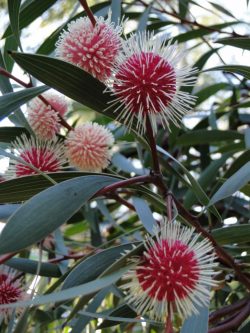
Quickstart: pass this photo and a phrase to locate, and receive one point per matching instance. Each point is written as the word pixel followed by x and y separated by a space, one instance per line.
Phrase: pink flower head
pixel 87 147
pixel 146 83
pixel 92 48
pixel 173 274
pixel 43 118
pixel 11 291
pixel 44 156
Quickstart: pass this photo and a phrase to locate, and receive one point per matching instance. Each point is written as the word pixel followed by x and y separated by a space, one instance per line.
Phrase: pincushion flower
pixel 11 291
pixel 87 147
pixel 44 156
pixel 173 274
pixel 92 48
pixel 146 83
pixel 43 118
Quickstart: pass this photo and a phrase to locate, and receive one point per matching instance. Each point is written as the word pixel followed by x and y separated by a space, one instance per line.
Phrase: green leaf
pixel 197 323
pixel 222 9
pixel 13 8
pixel 90 268
pixel 116 9
pixel 247 138
pixel 200 194
pixel 241 42
pixel 8 134
pixel 30 266
pixel 242 70
pixel 23 188
pixel 12 101
pixel 144 213
pixel 232 184
pixel 142 24
pixel 5 85
pixel 198 33
pixel 123 311
pixel 233 234
pixel 63 295
pixel 183 8
pixel 206 178
pixel 36 218
pixel 29 13
pixel 209 91
pixel 80 86
pixel 10 44
pixel 211 136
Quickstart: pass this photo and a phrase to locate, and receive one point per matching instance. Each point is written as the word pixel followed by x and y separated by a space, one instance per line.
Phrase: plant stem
pixel 6 257
pixel 88 11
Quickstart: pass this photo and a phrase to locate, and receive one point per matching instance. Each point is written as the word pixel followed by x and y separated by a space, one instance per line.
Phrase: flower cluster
pixel 173 274
pixel 11 291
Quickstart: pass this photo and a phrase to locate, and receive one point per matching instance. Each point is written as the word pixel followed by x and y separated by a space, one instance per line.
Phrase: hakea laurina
pixel 174 274
pixel 87 147
pixel 93 48
pixel 11 291
pixel 43 119
pixel 44 156
pixel 146 83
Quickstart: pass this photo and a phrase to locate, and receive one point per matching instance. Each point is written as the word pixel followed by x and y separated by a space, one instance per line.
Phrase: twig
pixel 88 11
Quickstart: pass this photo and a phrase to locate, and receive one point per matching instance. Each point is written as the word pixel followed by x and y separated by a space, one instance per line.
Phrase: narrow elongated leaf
pixel 200 194
pixel 122 310
pixel 8 134
pixel 232 184
pixel 183 8
pixel 30 266
pixel 198 138
pixel 142 25
pixel 5 86
pixel 12 101
pixel 23 188
pixel 36 218
pixel 232 234
pixel 144 213
pixel 202 32
pixel 222 9
pixel 93 266
pixel 63 295
pixel 206 178
pixel 242 70
pixel 14 7
pixel 209 91
pixel 241 42
pixel 29 13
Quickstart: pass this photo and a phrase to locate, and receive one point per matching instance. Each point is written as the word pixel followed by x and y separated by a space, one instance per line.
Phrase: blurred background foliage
pixel 205 162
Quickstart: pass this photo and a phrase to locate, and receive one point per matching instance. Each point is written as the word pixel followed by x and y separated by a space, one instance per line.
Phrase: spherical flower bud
pixel 44 156
pixel 11 291
pixel 173 274
pixel 146 83
pixel 87 147
pixel 43 118
pixel 92 48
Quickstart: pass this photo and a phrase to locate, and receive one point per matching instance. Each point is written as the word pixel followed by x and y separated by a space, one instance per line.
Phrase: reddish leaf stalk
pixel 6 257
pixel 88 11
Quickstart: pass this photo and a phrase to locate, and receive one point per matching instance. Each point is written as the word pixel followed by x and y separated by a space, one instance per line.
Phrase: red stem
pixel 6 257
pixel 88 12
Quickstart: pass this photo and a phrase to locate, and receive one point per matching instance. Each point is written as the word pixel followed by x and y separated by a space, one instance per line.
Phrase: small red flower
pixel 11 291
pixel 87 147
pixel 174 273
pixel 43 118
pixel 93 48
pixel 44 156
pixel 146 83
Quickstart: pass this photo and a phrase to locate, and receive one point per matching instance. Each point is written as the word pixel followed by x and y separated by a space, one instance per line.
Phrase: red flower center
pixel 168 271
pixel 146 82
pixel 41 158
pixel 9 293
